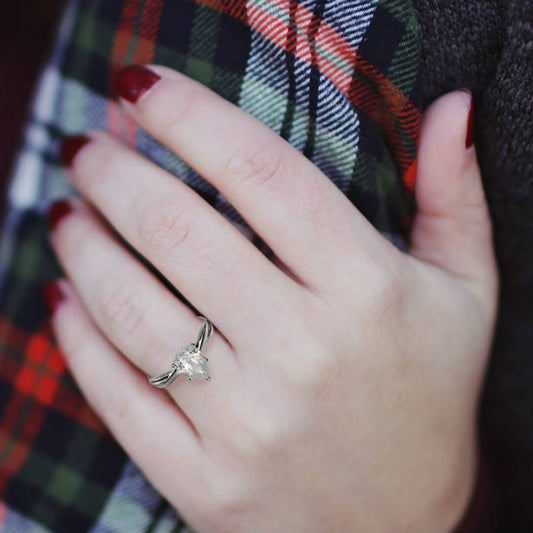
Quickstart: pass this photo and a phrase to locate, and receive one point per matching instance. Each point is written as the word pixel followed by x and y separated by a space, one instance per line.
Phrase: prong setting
pixel 189 361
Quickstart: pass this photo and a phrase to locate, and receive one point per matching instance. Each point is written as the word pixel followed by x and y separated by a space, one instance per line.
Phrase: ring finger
pixel 137 313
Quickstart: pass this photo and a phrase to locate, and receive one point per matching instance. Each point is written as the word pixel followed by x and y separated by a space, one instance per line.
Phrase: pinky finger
pixel 144 420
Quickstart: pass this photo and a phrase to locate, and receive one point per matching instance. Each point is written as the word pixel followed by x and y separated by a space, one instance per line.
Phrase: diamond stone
pixel 192 363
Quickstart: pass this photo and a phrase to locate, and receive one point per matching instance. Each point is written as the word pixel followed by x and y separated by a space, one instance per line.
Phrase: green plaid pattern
pixel 347 97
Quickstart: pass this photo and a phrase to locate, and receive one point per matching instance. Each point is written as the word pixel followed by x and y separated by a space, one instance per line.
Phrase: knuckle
pixel 258 437
pixel 316 375
pixel 163 226
pixel 114 407
pixel 74 338
pixel 384 292
pixel 105 160
pixel 172 113
pixel 257 164
pixel 121 309
pixel 315 360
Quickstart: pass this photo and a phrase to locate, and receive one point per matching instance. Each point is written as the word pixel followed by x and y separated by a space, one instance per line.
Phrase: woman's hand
pixel 345 377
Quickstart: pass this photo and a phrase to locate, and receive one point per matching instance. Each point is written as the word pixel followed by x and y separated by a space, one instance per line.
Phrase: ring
pixel 189 361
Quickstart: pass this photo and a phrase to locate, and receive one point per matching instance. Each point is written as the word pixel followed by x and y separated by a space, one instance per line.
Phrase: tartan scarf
pixel 338 79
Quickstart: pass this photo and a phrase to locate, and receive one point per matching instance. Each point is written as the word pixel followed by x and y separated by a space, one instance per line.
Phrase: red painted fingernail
pixel 470 124
pixel 53 295
pixel 70 147
pixel 133 81
pixel 57 211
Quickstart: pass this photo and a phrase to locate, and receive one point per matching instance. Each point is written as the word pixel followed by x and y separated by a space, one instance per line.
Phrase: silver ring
pixel 189 361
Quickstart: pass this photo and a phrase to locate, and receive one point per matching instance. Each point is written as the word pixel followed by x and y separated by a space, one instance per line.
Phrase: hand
pixel 345 377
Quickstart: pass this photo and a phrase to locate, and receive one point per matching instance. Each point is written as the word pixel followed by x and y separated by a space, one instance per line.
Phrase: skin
pixel 345 377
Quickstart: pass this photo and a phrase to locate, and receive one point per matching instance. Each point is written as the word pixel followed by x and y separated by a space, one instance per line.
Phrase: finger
pixel 140 317
pixel 148 425
pixel 202 254
pixel 311 226
pixel 452 228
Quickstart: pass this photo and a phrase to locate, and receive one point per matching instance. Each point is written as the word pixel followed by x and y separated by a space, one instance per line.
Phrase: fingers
pixel 137 314
pixel 452 228
pixel 147 424
pixel 202 254
pixel 300 213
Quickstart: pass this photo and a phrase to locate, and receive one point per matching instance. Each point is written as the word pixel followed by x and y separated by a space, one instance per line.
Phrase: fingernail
pixel 53 295
pixel 58 210
pixel 133 81
pixel 70 147
pixel 470 123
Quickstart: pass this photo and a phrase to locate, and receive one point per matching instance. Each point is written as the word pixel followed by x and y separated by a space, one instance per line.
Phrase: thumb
pixel 452 228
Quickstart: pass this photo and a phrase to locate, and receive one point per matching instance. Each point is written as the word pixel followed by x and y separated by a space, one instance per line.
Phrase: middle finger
pixel 203 255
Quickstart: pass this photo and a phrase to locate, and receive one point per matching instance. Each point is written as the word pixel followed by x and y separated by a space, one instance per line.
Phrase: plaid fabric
pixel 336 78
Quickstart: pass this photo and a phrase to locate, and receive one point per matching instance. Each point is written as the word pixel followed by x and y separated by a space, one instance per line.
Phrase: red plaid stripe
pixel 38 383
pixel 386 105
pixel 143 53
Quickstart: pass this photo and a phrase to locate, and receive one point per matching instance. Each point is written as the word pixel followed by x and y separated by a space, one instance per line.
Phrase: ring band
pixel 189 361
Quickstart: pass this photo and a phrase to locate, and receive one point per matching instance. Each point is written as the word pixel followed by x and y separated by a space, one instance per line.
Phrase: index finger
pixel 306 220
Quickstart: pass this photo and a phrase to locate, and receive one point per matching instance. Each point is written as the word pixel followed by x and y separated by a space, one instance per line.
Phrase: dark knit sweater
pixel 487 46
